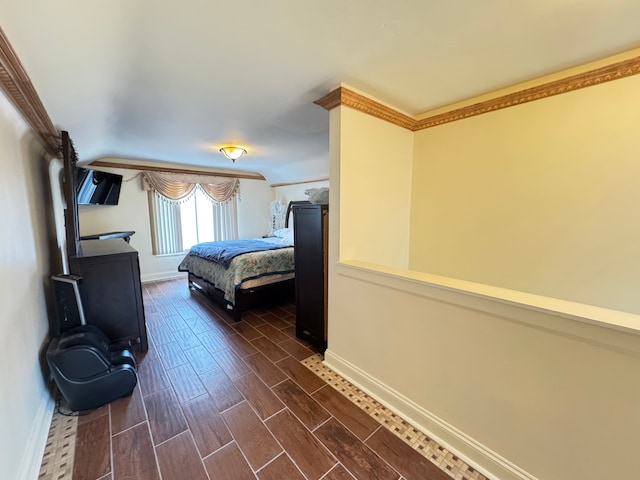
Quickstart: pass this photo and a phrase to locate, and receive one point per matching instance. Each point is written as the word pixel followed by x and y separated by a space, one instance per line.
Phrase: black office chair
pixel 88 371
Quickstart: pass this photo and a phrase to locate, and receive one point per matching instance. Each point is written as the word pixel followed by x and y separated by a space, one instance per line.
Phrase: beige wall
pixel 132 213
pixel 254 218
pixel 288 193
pixel 538 198
pixel 25 403
pixel 522 386
pixel 375 193
pixel 498 383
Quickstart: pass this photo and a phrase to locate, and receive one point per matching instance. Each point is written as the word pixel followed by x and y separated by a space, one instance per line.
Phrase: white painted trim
pixel 32 457
pixel 624 321
pixel 156 277
pixel 611 329
pixel 475 454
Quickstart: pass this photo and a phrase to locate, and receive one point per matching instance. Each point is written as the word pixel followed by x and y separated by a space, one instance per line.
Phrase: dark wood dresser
pixel 311 233
pixel 110 274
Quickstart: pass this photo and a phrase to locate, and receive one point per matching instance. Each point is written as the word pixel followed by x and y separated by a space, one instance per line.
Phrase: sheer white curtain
pixel 177 224
pixel 225 224
pixel 167 234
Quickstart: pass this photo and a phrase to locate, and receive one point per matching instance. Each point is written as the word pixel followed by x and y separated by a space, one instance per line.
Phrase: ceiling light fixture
pixel 233 153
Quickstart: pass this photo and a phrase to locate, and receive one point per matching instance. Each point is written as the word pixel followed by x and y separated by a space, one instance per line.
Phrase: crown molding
pixel 20 91
pixel 597 76
pixel 349 98
pixel 151 168
pixel 302 182
pixel 614 71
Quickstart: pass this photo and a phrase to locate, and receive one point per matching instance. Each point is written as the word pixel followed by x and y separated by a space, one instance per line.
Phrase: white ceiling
pixel 172 81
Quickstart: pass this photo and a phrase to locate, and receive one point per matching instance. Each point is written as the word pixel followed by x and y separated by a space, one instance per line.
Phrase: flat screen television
pixel 97 188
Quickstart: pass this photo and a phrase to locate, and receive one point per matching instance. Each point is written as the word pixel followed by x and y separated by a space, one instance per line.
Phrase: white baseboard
pixel 32 457
pixel 156 277
pixel 463 446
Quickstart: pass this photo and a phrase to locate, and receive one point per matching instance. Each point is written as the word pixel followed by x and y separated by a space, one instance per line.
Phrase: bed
pixel 241 274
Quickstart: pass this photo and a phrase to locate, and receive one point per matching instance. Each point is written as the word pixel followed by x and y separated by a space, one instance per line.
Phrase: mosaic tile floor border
pixel 57 460
pixel 437 454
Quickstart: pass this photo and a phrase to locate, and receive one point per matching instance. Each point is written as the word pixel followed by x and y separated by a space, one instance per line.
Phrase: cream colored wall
pixel 555 398
pixel 26 405
pixel 538 198
pixel 515 389
pixel 254 218
pixel 375 191
pixel 288 193
pixel 132 213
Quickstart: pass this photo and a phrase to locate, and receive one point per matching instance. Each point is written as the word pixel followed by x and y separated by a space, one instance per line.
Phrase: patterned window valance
pixel 177 186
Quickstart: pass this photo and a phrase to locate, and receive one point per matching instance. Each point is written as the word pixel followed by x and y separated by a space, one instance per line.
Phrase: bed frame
pixel 248 298
pixel 245 299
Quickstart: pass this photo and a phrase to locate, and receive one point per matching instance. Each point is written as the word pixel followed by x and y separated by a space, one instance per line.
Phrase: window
pixel 177 225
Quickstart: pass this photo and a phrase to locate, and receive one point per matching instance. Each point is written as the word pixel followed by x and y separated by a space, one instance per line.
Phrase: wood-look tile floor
pixel 219 399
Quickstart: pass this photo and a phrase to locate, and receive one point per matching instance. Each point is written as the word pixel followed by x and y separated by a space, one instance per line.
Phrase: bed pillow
pixel 285 235
pixel 281 233
pixel 288 237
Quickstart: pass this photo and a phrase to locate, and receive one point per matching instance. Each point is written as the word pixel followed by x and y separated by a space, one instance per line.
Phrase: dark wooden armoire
pixel 311 233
